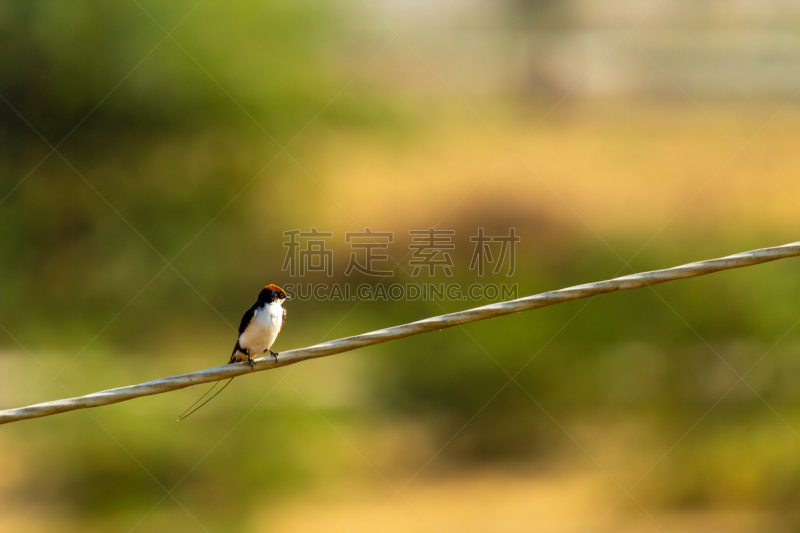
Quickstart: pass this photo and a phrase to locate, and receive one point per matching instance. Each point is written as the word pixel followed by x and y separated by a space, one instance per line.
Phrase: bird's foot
pixel 274 354
pixel 250 362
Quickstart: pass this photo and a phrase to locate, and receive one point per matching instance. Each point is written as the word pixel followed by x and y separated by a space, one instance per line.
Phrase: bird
pixel 258 330
pixel 261 325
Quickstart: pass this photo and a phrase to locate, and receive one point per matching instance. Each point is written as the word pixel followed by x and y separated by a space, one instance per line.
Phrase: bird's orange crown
pixel 275 288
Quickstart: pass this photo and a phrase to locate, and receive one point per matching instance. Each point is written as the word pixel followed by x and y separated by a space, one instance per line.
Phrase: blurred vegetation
pixel 134 256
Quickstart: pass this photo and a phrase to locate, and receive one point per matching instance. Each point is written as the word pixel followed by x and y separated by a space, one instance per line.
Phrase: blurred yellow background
pixel 614 136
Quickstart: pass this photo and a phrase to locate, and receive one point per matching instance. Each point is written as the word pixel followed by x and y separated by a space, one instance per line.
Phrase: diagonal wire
pixel 741 149
pixel 477 413
pixel 283 149
pixel 231 430
pixel 150 474
pixel 741 377
pixel 54 149
pixel 169 263
pixel 270 136
pixel 513 149
pixel 513 378
pixel 351 217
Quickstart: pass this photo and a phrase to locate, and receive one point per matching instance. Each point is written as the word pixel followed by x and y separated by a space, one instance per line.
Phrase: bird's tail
pixel 186 414
pixel 236 349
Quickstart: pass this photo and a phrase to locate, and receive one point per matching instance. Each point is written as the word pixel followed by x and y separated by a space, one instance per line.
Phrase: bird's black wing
pixel 248 316
pixel 283 322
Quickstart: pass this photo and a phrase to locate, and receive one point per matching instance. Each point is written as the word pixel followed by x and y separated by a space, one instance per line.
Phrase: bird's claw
pixel 274 354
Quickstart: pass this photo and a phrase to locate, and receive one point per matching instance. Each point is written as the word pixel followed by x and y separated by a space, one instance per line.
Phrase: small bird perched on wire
pixel 260 325
pixel 258 330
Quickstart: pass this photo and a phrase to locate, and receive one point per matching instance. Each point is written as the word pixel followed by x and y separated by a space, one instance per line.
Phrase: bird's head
pixel 272 293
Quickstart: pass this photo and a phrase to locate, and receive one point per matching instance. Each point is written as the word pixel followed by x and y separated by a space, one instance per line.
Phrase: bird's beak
pixel 287 297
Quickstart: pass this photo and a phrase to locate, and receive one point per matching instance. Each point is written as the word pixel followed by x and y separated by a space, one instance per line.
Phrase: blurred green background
pixel 191 135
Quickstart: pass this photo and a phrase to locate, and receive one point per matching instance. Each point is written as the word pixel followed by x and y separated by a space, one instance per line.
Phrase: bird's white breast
pixel 260 334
